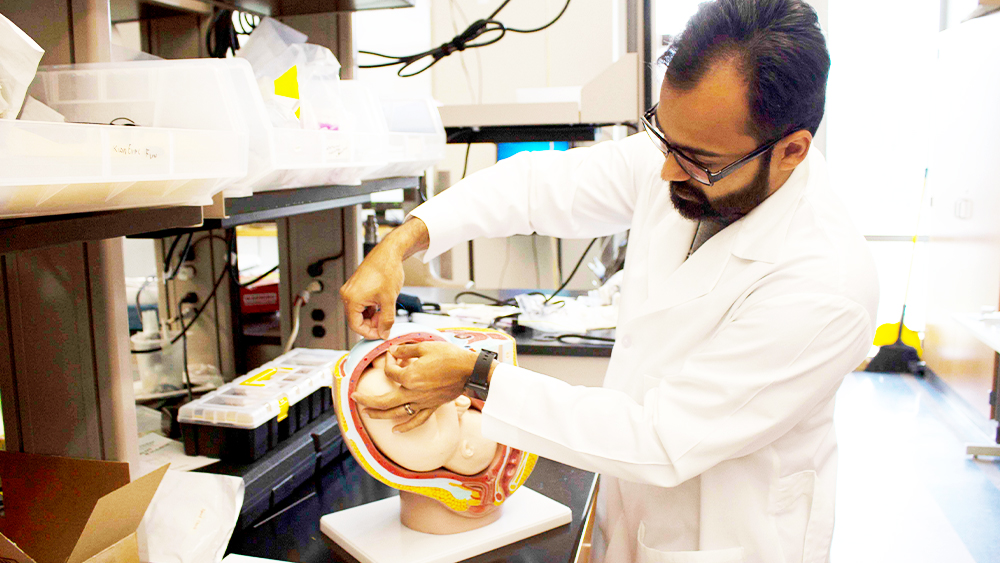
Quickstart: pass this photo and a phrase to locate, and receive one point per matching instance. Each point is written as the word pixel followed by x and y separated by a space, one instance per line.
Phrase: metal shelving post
pixel 65 371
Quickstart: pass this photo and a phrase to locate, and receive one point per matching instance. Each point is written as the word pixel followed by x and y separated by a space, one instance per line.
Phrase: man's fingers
pixel 380 402
pixel 406 351
pixel 394 372
pixel 386 317
pixel 398 412
pixel 418 419
pixel 358 321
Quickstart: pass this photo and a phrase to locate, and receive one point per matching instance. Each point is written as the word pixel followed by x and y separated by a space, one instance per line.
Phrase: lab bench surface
pixel 294 535
pixel 529 342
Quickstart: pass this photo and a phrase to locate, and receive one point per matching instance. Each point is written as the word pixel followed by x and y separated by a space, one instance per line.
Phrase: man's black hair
pixel 780 50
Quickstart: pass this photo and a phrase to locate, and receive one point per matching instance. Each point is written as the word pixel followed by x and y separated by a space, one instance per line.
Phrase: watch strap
pixel 479 380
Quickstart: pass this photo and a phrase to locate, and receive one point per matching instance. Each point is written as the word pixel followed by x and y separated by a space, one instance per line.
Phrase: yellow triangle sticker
pixel 298 112
pixel 287 84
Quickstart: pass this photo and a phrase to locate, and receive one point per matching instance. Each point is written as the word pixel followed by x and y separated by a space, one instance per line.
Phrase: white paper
pixel 34 110
pixel 19 57
pixel 156 451
pixel 192 517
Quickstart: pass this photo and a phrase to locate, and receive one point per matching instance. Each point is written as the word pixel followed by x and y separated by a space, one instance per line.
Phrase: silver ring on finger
pixel 409 410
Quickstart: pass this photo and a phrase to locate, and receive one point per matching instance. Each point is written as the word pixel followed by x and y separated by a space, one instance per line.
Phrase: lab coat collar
pixel 762 232
pixel 758 236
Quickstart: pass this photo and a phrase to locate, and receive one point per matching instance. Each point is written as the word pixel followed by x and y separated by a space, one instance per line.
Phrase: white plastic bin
pixel 319 157
pixel 54 168
pixel 416 137
pixel 192 94
pixel 223 94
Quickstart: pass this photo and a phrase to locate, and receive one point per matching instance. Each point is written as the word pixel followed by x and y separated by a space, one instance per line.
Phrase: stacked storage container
pixel 242 420
pixel 98 162
pixel 221 124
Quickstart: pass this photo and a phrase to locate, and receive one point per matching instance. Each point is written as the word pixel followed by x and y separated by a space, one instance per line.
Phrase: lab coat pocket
pixel 801 520
pixel 646 554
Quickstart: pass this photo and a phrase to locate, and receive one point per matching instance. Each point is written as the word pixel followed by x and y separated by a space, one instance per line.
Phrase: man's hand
pixel 370 294
pixel 430 373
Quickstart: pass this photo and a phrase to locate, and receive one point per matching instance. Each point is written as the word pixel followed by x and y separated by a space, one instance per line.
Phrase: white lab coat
pixel 713 432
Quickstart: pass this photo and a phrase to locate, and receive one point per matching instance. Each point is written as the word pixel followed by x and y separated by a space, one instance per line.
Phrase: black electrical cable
pixel 170 254
pixel 227 270
pixel 573 273
pixel 187 374
pixel 316 268
pixel 180 261
pixel 546 26
pixel 562 337
pixel 138 294
pixel 465 40
pixel 493 323
pixel 465 166
pixel 260 277
pixel 221 37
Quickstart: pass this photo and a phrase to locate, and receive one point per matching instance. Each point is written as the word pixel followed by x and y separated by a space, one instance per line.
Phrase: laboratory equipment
pixel 160 362
pixel 242 420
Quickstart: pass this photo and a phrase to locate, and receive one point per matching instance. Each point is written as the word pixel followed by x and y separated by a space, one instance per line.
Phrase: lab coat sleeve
pixel 580 193
pixel 749 385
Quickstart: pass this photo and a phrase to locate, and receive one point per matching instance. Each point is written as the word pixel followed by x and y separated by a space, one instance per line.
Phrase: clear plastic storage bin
pixel 244 419
pixel 321 157
pixel 190 94
pixel 55 168
pixel 416 137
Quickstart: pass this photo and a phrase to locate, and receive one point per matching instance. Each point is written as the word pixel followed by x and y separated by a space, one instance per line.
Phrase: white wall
pixel 570 53
pixel 878 141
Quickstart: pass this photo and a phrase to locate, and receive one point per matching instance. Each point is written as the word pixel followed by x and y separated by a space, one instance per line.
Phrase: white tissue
pixel 192 517
pixel 34 110
pixel 19 57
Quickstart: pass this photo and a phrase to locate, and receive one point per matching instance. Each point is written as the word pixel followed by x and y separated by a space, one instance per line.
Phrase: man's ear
pixel 792 150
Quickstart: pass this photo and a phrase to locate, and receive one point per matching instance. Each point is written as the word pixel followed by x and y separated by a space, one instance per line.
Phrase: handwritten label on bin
pixel 138 152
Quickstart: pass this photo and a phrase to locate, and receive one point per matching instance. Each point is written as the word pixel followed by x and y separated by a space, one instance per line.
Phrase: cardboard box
pixel 62 510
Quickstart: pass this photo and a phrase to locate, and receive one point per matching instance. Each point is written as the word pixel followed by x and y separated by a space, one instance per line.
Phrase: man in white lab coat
pixel 747 297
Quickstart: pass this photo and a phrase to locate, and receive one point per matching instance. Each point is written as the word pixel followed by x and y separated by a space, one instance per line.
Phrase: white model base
pixel 985 450
pixel 372 532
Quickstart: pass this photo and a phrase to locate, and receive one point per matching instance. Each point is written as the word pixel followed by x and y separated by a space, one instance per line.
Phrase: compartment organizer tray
pixel 243 420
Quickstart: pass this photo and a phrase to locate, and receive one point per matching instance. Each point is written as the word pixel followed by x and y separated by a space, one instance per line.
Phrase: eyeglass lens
pixel 690 168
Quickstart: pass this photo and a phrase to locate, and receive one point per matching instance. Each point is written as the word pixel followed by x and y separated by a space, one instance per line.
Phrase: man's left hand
pixel 430 374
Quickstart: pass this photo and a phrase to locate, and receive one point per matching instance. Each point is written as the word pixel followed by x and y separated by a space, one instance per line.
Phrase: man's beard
pixel 726 209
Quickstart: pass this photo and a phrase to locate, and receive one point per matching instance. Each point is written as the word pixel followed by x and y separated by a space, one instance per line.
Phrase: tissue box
pixel 62 510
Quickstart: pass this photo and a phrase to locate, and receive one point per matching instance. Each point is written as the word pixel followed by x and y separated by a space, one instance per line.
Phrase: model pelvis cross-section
pixel 450 477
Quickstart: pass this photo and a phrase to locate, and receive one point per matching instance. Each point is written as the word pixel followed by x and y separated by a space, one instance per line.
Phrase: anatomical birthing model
pixel 451 479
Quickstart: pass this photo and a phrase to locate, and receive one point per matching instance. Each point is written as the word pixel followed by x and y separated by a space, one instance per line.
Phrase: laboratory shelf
pixel 38 232
pixel 522 133
pixel 134 10
pixel 268 206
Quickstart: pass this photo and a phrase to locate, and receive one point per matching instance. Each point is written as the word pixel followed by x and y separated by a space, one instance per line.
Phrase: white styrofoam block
pixel 372 533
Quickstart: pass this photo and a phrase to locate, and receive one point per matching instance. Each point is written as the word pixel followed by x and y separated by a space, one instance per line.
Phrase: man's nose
pixel 672 171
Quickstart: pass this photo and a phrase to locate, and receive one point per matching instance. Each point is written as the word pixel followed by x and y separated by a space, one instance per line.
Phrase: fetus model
pixel 451 479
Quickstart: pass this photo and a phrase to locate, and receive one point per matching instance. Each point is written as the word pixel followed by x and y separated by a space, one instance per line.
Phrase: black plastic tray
pixel 271 479
pixel 241 445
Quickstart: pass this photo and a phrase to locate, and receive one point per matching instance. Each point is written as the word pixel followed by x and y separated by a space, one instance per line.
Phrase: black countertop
pixel 529 342
pixel 291 532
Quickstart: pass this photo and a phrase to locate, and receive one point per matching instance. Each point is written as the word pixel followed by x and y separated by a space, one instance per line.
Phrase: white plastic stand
pixel 372 532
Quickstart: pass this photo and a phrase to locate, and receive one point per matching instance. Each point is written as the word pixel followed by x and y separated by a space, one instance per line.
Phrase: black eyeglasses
pixel 692 167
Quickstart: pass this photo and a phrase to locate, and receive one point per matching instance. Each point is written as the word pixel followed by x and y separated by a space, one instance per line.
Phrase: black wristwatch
pixel 479 380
